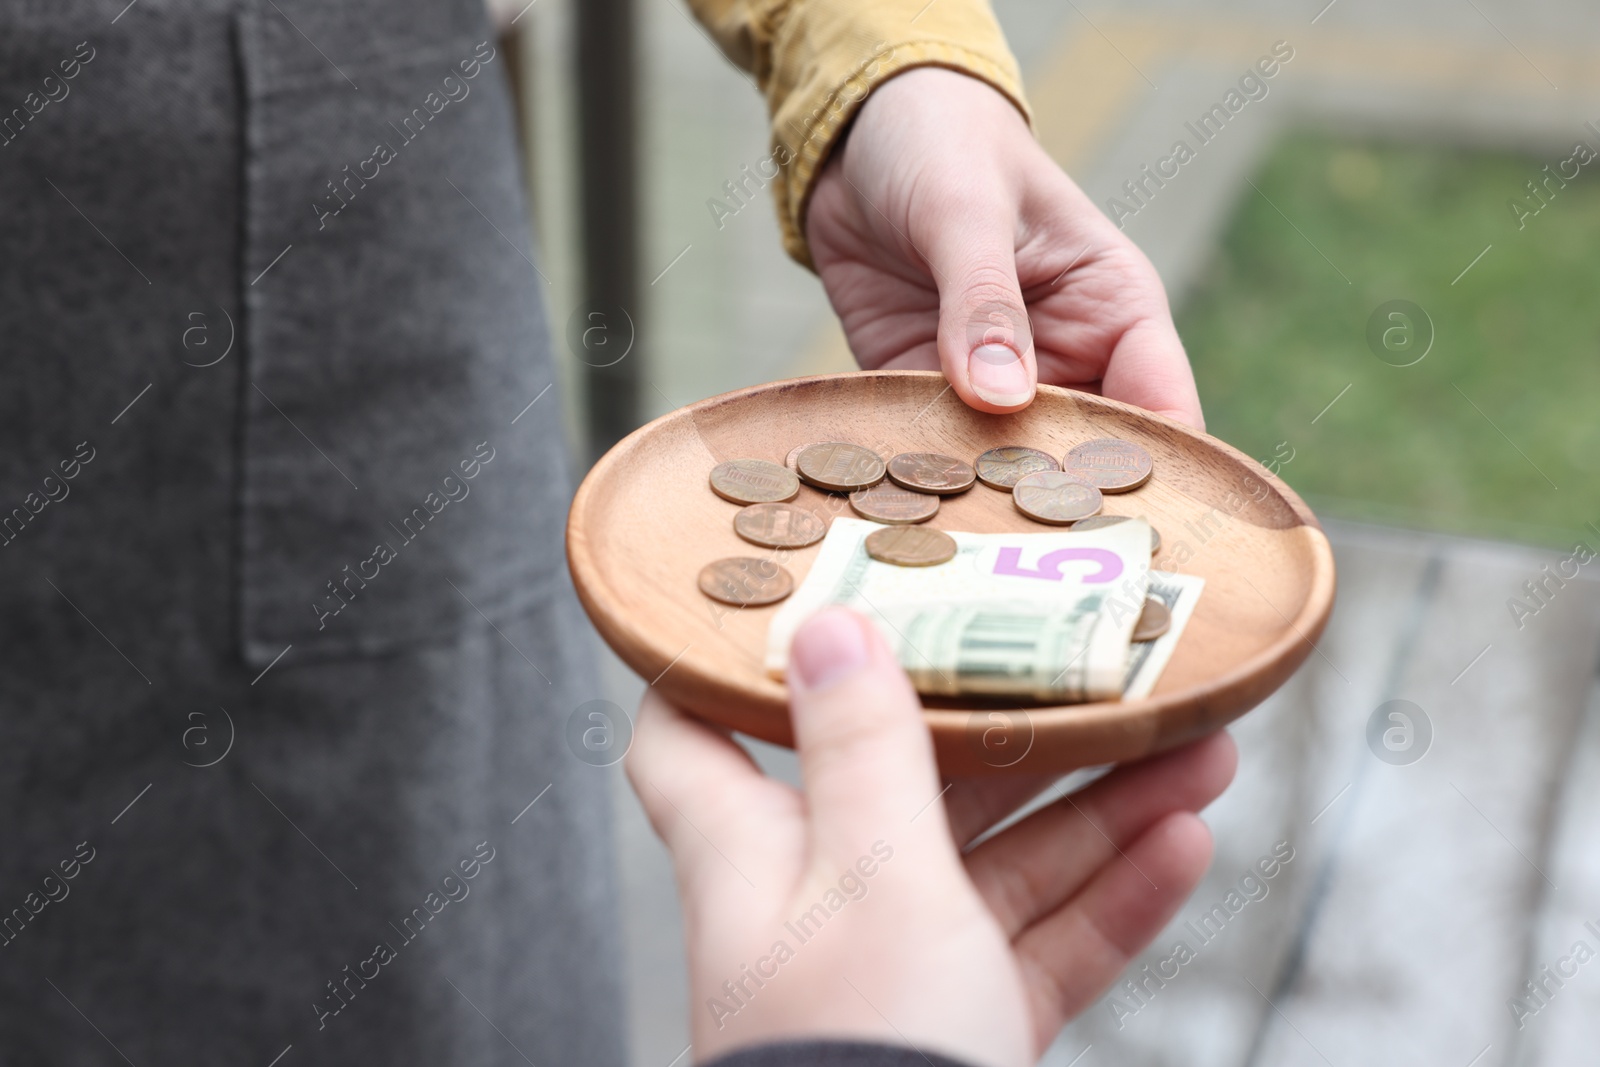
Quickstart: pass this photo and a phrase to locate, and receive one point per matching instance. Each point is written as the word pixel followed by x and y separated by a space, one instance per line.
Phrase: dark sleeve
pixel 833 1054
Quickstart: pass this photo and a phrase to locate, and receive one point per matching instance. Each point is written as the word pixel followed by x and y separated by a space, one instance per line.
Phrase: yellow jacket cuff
pixel 818 60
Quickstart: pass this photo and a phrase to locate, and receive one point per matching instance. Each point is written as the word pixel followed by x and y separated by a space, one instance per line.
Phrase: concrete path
pixel 1422 891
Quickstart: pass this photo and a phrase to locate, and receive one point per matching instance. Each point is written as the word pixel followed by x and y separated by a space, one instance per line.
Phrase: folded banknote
pixel 1045 616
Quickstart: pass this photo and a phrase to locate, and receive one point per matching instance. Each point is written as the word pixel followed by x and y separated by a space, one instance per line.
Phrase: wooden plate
pixel 644 522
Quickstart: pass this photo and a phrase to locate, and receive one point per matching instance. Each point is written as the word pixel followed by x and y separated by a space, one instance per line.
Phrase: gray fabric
pixel 397 334
pixel 143 598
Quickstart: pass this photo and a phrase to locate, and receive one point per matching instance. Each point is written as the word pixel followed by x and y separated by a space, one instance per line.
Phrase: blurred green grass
pixel 1276 331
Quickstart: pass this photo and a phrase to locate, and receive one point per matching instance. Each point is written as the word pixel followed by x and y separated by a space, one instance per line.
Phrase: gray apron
pixel 286 645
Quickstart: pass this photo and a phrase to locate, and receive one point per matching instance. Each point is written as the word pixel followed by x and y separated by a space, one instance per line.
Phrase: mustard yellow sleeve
pixel 816 61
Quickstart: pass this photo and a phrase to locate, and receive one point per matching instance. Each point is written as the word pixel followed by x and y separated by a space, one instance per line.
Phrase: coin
pixel 839 467
pixel 779 526
pixel 1154 620
pixel 1100 522
pixel 753 481
pixel 793 458
pixel 1002 468
pixel 1109 464
pixel 911 546
pixel 894 505
pixel 745 582
pixel 931 472
pixel 1055 498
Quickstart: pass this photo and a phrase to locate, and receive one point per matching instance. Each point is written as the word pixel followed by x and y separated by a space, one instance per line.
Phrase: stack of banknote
pixel 1048 616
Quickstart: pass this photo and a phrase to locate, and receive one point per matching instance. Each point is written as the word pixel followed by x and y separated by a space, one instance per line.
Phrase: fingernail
pixel 999 376
pixel 827 647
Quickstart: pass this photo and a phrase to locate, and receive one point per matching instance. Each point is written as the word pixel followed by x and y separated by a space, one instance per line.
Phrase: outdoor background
pixel 1453 456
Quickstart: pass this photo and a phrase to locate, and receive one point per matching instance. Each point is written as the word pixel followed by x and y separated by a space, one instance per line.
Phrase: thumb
pixel 985 341
pixel 865 754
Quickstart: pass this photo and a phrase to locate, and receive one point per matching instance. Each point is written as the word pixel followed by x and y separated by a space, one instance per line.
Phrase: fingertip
pixel 1187 778
pixel 653 730
pixel 653 721
pixel 978 377
pixel 1000 376
pixel 828 647
pixel 844 678
pixel 1218 757
pixel 1184 842
pixel 858 726
pixel 673 755
pixel 1173 399
pixel 985 337
pixel 1191 417
pixel 1150 369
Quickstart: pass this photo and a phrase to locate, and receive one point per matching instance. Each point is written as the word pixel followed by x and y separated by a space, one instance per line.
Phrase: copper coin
pixel 839 467
pixel 1003 468
pixel 1154 620
pixel 745 582
pixel 1100 522
pixel 792 460
pixel 1109 464
pixel 911 546
pixel 779 526
pixel 931 472
pixel 753 481
pixel 1055 498
pixel 894 505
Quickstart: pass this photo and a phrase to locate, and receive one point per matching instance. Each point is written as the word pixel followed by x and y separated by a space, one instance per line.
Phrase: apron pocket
pixel 394 484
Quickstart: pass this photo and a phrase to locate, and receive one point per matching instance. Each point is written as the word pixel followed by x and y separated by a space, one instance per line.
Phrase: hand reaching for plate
pixel 947 239
pixel 856 909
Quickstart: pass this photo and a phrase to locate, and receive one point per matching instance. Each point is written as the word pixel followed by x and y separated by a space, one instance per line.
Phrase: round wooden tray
pixel 645 521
